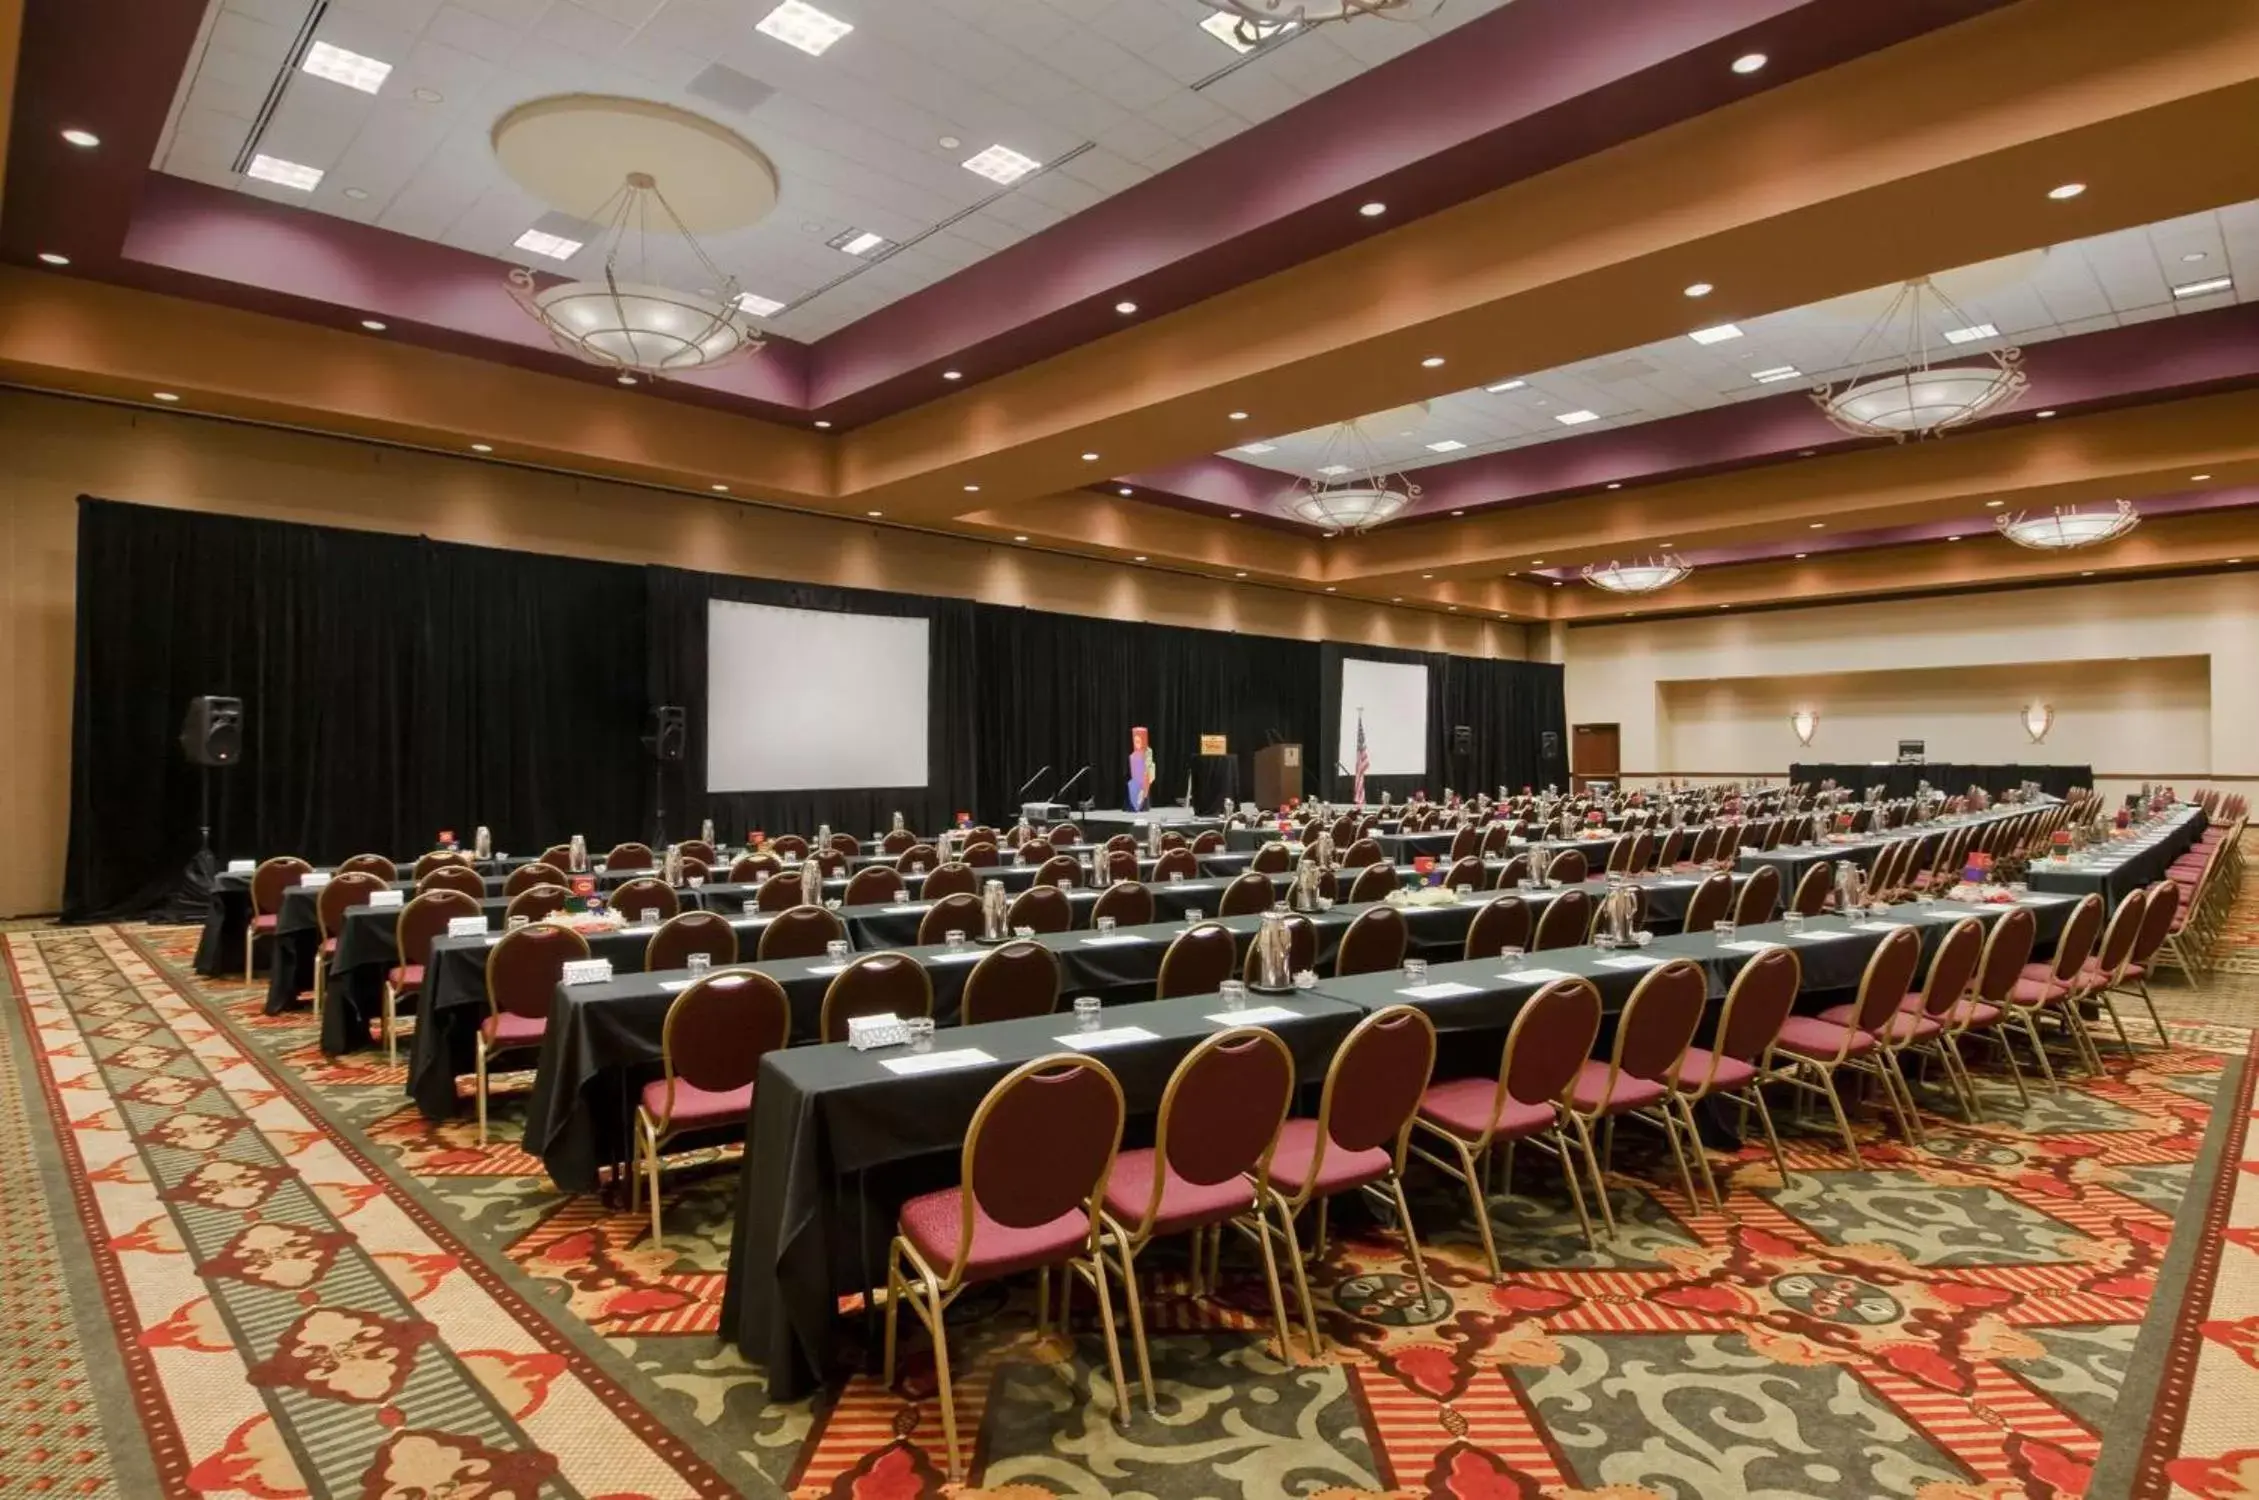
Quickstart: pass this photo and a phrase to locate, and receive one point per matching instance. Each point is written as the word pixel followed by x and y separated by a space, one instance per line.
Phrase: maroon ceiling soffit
pixel 2174 357
pixel 1524 89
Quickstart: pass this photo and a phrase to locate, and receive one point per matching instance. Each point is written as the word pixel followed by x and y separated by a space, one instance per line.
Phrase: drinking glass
pixel 1087 1011
pixel 1175 876
pixel 1416 970
pixel 1191 915
pixel 751 909
pixel 1106 924
pixel 836 949
pixel 1794 922
pixel 1023 933
pixel 1511 957
pixel 699 963
pixel 1724 930
pixel 518 921
pixel 648 917
pixel 1234 992
pixel 1465 893
pixel 920 1029
pixel 1604 941
pixel 955 938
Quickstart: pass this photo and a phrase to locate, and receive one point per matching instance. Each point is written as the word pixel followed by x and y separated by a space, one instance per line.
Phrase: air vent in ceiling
pixel 724 85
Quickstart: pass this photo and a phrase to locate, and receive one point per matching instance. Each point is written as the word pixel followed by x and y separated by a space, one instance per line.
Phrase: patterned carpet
pixel 314 1292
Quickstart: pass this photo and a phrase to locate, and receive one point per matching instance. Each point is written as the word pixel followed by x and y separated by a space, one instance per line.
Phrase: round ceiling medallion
pixel 574 150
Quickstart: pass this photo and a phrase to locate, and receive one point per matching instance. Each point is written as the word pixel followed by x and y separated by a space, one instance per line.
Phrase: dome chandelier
pixel 2067 527
pixel 1349 489
pixel 1640 576
pixel 1915 398
pixel 1256 21
pixel 628 322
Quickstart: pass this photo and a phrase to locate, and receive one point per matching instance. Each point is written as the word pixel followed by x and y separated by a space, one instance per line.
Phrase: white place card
pixel 969 956
pixel 314 880
pixel 1749 945
pixel 587 971
pixel 911 910
pixel 1631 961
pixel 1256 1015
pixel 2040 899
pixel 825 968
pixel 1537 976
pixel 675 986
pixel 1113 940
pixel 466 927
pixel 1441 989
pixel 242 866
pixel 1113 1036
pixel 1947 916
pixel 1824 935
pixel 936 1062
pixel 388 899
pixel 1878 926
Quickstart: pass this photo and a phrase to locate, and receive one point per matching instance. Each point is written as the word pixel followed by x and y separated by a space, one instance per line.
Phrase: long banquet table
pixel 2114 871
pixel 837 1139
pixel 1899 779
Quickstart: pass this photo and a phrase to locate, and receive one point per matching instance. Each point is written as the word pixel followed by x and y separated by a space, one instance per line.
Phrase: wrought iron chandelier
pixel 2067 527
pixel 1916 398
pixel 1254 21
pixel 1642 576
pixel 628 322
pixel 1349 490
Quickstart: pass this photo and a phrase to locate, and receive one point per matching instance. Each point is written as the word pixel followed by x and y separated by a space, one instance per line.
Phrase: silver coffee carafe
pixel 577 859
pixel 1274 954
pixel 1308 882
pixel 1153 840
pixel 1619 909
pixel 706 832
pixel 1850 888
pixel 992 912
pixel 898 822
pixel 670 869
pixel 482 844
pixel 1325 849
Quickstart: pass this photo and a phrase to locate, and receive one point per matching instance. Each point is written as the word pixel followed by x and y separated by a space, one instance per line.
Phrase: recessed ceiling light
pixel 1700 289
pixel 1373 210
pixel 1237 416
pixel 1001 163
pixel 1125 490
pixel 53 259
pixel 2193 257
pixel 540 242
pixel 1458 513
pixel 349 68
pixel 1819 525
pixel 820 422
pixel 489 448
pixel 1259 448
pixel 625 378
pixel 2204 288
pixel 859 242
pixel 1537 562
pixel 1776 374
pixel 1427 575
pixel 1334 471
pixel 721 489
pixel 1618 484
pixel 1139 558
pixel 373 325
pixel 1576 418
pixel 1329 587
pixel 287 174
pixel 1125 308
pixel 1090 458
pixel 1716 335
pixel 1234 515
pixel 1432 362
pixel 1803 554
pixel 85 140
pixel 2235 559
pixel 1019 538
pixel 2198 478
pixel 166 396
pixel 801 25
pixel 1447 445
pixel 1505 385
pixel 358 195
pixel 1556 583
pixel 952 374
pixel 2044 415
pixel 2089 573
pixel 759 306
pixel 1749 62
pixel 949 143
pixel 1953 539
pixel 2067 190
pixel 1971 334
pixel 1241 574
pixel 972 489
pixel 1396 599
pixel 874 514
pixel 1994 504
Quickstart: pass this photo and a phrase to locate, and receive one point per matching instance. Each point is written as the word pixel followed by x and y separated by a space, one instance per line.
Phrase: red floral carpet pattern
pixel 1951 1322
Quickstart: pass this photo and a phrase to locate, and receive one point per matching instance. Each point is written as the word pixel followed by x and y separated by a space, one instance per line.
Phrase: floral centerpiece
pixel 2061 841
pixel 1984 893
pixel 1426 895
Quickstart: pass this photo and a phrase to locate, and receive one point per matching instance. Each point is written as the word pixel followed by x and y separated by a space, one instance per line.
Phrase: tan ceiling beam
pixel 2127 452
pixel 11 50
pixel 1932 154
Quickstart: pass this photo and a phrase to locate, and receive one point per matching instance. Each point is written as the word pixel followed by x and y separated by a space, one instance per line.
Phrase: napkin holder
pixel 866 1032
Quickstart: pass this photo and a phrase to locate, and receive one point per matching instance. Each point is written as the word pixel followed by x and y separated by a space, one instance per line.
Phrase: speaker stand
pixel 191 898
pixel 659 805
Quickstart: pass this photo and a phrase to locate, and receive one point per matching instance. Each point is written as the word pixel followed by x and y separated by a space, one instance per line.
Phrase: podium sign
pixel 1213 744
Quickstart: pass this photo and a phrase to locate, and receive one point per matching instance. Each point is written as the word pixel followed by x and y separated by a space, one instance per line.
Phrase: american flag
pixel 1364 763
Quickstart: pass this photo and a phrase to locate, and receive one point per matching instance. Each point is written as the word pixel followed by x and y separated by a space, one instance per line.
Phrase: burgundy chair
pixel 710 1051
pixel 1643 860
pixel 1208 842
pixel 382 867
pixel 632 898
pixel 1983 1016
pixel 1568 867
pixel 1042 907
pixel 690 932
pixel 875 984
pixel 1503 923
pixel 2054 988
pixel 1272 859
pixel 525 877
pixel 1496 840
pixel 1466 844
pixel 1249 895
pixel 953 878
pixel 1373 1089
pixel 557 857
pixel 1710 903
pixel 342 894
pixel 2106 970
pixel 699 850
pixel 424 865
pixel 1121 864
pixel 1373 944
pixel 959 911
pixel 1619 861
pixel 874 885
pixel 1516 870
pixel 846 845
pixel 695 871
pixel 1813 890
pixel 789 846
pixel 900 841
pixel 1178 861
pixel 1129 903
pixel 1122 841
pixel 799 932
pixel 537 901
pixel 751 869
pixel 830 861
pixel 1925 1017
pixel 1219 1119
pixel 629 856
pixel 917 859
pixel 981 854
pixel 1011 982
pixel 1064 834
pixel 1062 870
pixel 1760 893
pixel 1037 1157
pixel 421 920
pixel 268 882
pixel 1815 1048
pixel 1360 853
pixel 1033 851
pixel 1545 1051
pixel 1373 883
pixel 1705 848
pixel 2158 918
pixel 777 893
pixel 522 975
pixel 1739 1060
pixel 1301 949
pixel 1197 962
pixel 1641 1073
pixel 1566 920
pixel 1175 841
pixel 1468 873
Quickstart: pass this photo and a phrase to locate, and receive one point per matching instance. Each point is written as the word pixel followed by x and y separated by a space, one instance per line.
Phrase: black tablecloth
pixel 1792 860
pixel 2117 878
pixel 220 949
pixel 1949 777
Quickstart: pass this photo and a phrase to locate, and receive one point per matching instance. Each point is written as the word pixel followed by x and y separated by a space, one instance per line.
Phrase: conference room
pixel 1162 747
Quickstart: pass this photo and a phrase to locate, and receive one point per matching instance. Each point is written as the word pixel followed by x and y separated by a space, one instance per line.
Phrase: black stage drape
pixel 1509 705
pixel 395 686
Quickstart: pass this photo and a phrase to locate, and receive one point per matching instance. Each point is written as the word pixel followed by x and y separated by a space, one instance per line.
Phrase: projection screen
pixel 1393 697
pixel 807 700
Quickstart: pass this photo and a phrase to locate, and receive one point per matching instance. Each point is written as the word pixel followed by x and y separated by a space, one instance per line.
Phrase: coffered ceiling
pixel 1546 180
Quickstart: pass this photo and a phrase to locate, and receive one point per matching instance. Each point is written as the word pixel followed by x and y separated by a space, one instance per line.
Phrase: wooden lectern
pixel 1278 775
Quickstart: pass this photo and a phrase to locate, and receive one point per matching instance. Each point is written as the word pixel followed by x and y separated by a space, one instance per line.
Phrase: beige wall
pixel 52 450
pixel 1713 696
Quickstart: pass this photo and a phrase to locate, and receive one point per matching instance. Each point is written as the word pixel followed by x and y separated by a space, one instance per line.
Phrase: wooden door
pixel 1593 751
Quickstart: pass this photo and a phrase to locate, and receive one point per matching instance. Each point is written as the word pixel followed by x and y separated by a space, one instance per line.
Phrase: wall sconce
pixel 1806 723
pixel 2038 719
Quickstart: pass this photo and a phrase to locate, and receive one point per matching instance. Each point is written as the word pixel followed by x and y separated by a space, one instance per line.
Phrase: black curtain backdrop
pixel 394 687
pixel 1508 704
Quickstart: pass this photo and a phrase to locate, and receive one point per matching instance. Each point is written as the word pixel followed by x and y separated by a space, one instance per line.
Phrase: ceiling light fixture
pixel 2204 288
pixel 1235 515
pixel 803 26
pixel 53 259
pixel 1716 335
pixel 1227 30
pixel 555 246
pixel 1237 416
pixel 1775 375
pixel 334 63
pixel 287 174
pixel 1241 574
pixel 874 514
pixel 758 306
pixel 373 325
pixel 820 422
pixel 2198 478
pixel 863 244
pixel 1700 289
pixel 2044 415
pixel 1749 62
pixel 952 374
pixel 1373 210
pixel 1354 490
pixel 2067 191
pixel 1576 418
pixel 721 489
pixel 1001 164
pixel 1917 399
pixel 1432 362
pixel 2067 527
pixel 1644 576
pixel 1994 504
pixel 1019 538
pixel 165 396
pixel 1125 308
pixel 1505 385
pixel 1250 23
pixel 1090 458
pixel 482 447
pixel 972 489
pixel 1971 334
pixel 1259 448
pixel 85 140
pixel 1447 445
pixel 1802 555
pixel 1125 490
pixel 626 379
pixel 358 195
pixel 1139 558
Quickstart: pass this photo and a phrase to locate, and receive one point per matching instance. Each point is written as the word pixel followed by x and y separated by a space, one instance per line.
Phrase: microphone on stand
pixel 1061 794
pixel 1031 781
